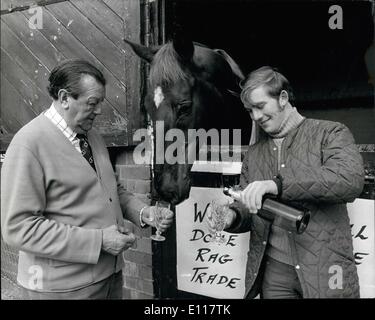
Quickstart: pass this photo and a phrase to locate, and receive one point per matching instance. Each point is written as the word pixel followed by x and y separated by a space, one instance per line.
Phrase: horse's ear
pixel 146 53
pixel 184 47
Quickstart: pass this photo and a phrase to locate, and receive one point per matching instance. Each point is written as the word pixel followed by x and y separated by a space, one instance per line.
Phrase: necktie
pixel 86 149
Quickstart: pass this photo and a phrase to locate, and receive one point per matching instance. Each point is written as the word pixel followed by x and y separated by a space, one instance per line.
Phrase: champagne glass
pixel 159 216
pixel 219 211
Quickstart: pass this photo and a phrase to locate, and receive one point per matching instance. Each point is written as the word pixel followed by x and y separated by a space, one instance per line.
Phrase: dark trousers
pixel 109 288
pixel 280 281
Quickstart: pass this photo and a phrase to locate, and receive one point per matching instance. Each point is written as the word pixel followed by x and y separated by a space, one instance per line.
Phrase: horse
pixel 191 86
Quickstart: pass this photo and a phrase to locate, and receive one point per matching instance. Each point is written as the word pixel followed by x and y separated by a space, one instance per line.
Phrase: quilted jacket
pixel 321 170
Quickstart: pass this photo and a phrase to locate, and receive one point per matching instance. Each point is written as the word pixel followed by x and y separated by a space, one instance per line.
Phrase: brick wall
pixel 9 261
pixel 137 273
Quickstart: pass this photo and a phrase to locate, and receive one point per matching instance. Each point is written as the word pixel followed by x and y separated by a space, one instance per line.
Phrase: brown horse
pixel 190 87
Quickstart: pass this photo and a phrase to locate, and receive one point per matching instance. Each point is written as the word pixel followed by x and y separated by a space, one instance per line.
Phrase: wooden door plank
pixel 19 52
pixel 91 37
pixel 35 40
pixel 116 5
pixel 103 18
pixel 15 110
pixel 33 68
pixel 29 55
pixel 70 48
pixel 112 125
pixel 38 99
pixel 6 4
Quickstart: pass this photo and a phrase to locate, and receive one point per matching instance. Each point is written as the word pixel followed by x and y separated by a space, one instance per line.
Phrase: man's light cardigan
pixel 53 207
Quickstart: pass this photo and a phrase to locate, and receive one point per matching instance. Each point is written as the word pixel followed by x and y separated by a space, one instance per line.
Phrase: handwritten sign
pixel 362 219
pixel 218 271
pixel 206 268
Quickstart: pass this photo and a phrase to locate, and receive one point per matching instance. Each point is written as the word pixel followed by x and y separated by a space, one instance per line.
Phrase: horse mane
pixel 166 68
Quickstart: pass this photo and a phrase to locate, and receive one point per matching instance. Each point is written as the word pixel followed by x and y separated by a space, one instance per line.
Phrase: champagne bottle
pixel 282 215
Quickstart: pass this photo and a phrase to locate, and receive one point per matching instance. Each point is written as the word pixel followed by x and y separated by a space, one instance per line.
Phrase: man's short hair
pixel 67 75
pixel 273 80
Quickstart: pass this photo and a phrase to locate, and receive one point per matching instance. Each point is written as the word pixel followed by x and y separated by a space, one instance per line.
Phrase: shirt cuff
pixel 141 223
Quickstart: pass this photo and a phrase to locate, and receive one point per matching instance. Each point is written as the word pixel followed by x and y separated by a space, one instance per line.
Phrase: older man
pixel 61 204
pixel 313 163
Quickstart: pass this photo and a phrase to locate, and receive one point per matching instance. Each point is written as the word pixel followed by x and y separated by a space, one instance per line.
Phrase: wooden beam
pixel 13 6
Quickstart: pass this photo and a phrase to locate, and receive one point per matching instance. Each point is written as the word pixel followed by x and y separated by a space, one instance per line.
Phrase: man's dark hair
pixel 67 75
pixel 271 78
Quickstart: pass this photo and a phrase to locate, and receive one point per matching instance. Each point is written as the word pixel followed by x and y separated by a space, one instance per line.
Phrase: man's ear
pixel 283 98
pixel 63 97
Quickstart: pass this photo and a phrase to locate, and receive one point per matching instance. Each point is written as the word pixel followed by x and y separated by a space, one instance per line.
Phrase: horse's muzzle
pixel 171 189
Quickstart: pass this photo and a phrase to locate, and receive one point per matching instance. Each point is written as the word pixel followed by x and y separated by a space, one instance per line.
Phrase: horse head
pixel 190 87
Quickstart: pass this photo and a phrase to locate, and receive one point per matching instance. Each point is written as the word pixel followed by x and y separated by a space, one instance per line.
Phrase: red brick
pixel 145 272
pixel 144 245
pixel 130 184
pixel 142 158
pixel 131 269
pixel 146 286
pixel 126 293
pixel 141 172
pixel 143 186
pixel 139 187
pixel 139 284
pixel 140 295
pixel 138 257
pixel 125 157
pixel 130 282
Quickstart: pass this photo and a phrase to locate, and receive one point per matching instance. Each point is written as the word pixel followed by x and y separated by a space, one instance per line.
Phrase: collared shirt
pixel 60 123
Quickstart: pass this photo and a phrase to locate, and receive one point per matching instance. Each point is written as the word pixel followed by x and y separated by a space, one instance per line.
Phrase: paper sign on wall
pixel 362 219
pixel 203 267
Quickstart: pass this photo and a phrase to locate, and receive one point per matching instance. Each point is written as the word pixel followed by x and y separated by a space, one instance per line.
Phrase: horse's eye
pixel 184 104
pixel 183 108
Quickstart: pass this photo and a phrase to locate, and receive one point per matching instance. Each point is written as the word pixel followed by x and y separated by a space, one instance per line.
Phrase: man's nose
pixel 98 110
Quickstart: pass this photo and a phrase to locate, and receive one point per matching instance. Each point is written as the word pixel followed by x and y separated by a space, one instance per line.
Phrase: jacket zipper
pixel 292 243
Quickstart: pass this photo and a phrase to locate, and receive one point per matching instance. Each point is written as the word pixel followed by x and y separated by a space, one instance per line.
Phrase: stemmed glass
pixel 159 216
pixel 217 219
